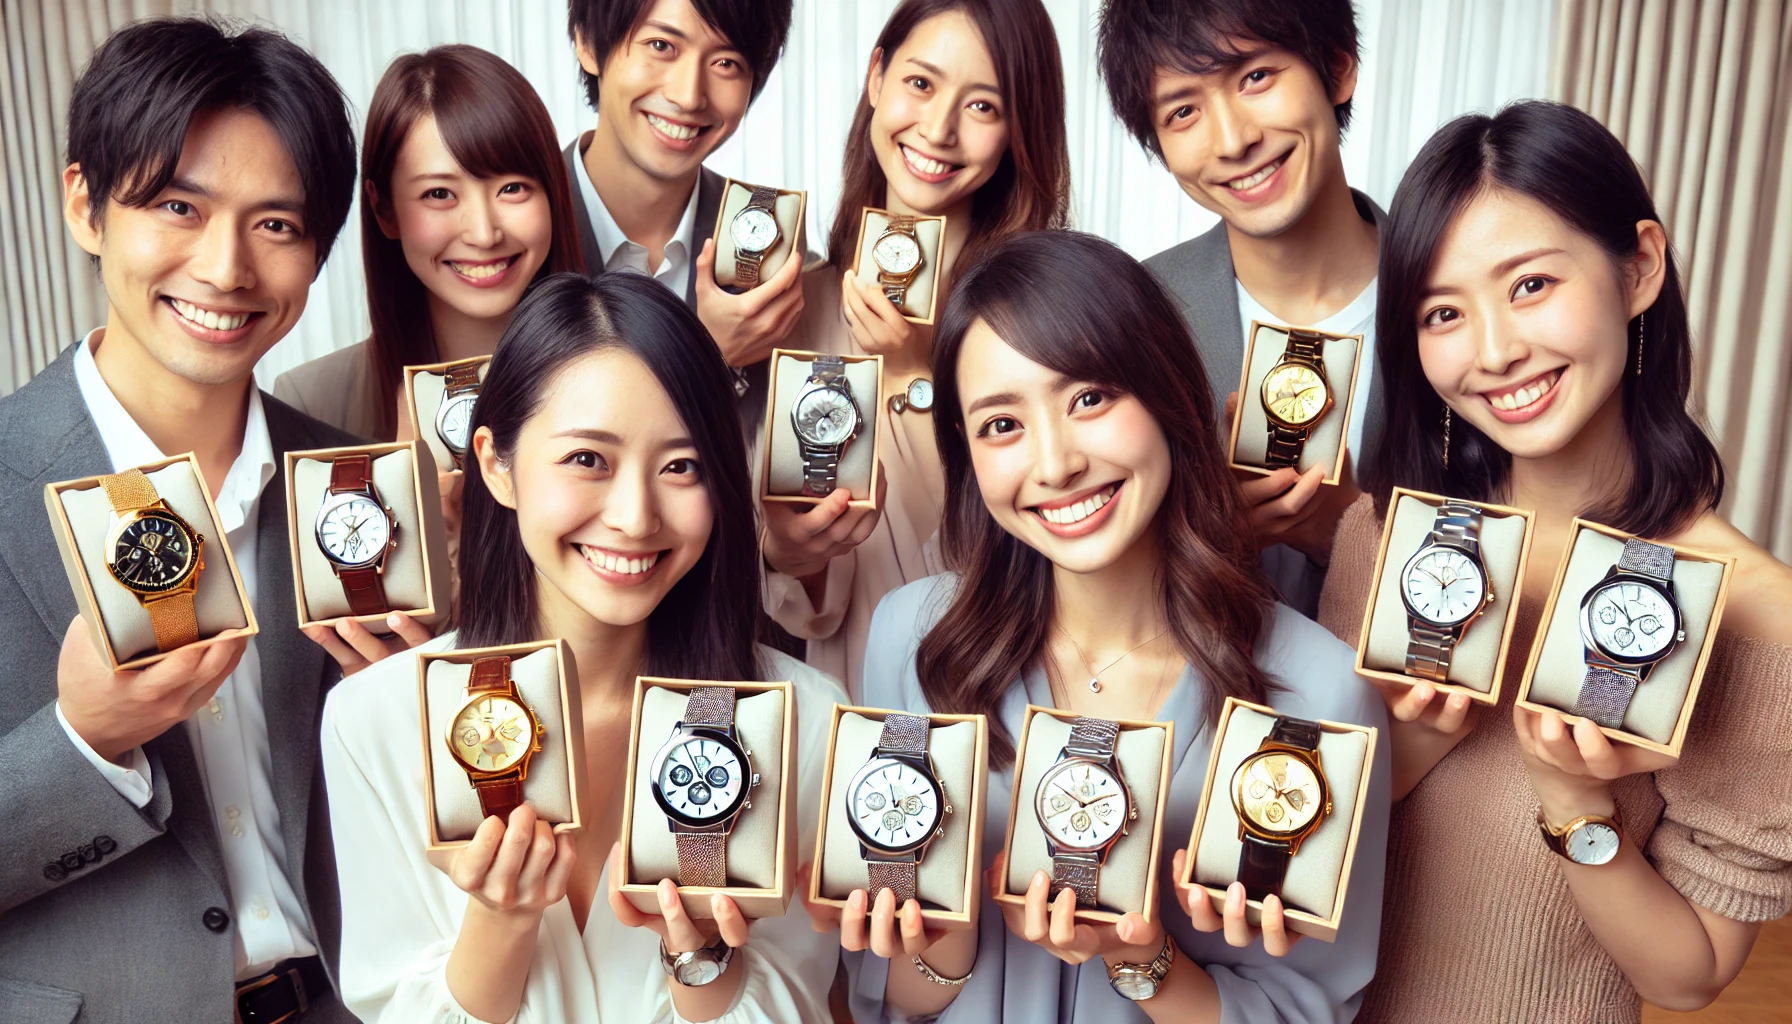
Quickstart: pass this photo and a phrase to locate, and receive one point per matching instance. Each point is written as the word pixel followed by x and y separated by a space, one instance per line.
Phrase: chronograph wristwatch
pixel 703 779
pixel 826 419
pixel 493 736
pixel 356 531
pixel 454 418
pixel 896 804
pixel 1281 797
pixel 1629 622
pixel 1084 806
pixel 1296 395
pixel 897 253
pixel 754 231
pixel 1445 588
pixel 156 555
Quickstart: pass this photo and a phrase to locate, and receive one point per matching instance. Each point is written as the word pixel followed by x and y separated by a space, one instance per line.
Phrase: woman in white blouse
pixel 611 507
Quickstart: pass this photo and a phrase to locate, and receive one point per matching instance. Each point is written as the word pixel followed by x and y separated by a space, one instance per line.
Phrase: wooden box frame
pixel 796 244
pixel 1672 747
pixel 88 602
pixel 1244 395
pixel 772 409
pixel 440 851
pixel 948 920
pixel 933 309
pixel 1325 929
pixel 753 902
pixel 1492 696
pixel 410 397
pixel 1000 891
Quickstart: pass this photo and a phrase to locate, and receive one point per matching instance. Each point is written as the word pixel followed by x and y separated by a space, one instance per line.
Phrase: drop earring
pixel 1446 437
pixel 1639 344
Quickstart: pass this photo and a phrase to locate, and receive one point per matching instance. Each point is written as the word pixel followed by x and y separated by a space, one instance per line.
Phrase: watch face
pixel 153 553
pixel 1295 393
pixel 700 777
pixel 491 733
pixel 1630 621
pixel 825 416
pixel 698 970
pixel 454 420
pixel 920 394
pixel 893 805
pixel 1081 805
pixel 1277 793
pixel 1443 585
pixel 1134 984
pixel 896 253
pixel 1594 843
pixel 753 230
pixel 353 530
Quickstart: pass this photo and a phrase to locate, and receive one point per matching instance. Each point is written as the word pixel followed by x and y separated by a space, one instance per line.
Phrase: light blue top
pixel 1018 982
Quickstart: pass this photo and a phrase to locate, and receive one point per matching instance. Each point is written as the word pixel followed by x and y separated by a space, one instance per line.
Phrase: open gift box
pixel 789 472
pixel 756 220
pixel 1322 413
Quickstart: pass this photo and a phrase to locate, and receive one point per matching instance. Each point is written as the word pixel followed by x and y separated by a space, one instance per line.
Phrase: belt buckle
pixel 298 990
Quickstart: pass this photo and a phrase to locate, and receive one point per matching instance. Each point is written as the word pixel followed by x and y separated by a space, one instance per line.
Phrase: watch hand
pixel 1073 796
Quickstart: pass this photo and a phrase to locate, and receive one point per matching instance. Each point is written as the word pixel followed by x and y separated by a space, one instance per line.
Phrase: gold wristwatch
pixel 1590 840
pixel 1296 395
pixel 493 737
pixel 1281 797
pixel 156 555
pixel 897 253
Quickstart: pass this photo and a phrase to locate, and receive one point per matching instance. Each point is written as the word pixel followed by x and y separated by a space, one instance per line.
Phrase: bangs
pixel 493 122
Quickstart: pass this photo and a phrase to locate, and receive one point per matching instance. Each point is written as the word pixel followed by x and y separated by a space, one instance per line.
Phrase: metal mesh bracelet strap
pixel 710 705
pixel 897 876
pixel 1605 696
pixel 1655 561
pixel 903 734
pixel 129 490
pixel 1429 648
pixel 172 617
pixel 1092 737
pixel 907 735
pixel 702 858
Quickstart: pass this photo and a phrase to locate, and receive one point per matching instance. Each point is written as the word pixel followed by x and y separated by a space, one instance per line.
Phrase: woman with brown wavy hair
pixel 1103 563
pixel 962 116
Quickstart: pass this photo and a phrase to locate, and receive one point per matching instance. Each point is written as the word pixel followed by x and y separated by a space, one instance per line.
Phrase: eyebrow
pixel 1505 267
pixel 671 30
pixel 283 203
pixel 999 398
pixel 435 176
pixel 930 67
pixel 605 437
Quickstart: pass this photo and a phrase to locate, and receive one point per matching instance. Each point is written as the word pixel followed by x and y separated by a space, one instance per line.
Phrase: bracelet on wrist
pixel 939 979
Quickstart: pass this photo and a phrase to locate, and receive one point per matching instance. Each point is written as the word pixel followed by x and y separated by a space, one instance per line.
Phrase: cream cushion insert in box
pixel 394 478
pixel 753 845
pixel 917 302
pixel 1313 874
pixel 1128 867
pixel 427 389
pixel 787 210
pixel 854 472
pixel 217 605
pixel 1327 437
pixel 1477 657
pixel 548 788
pixel 940 881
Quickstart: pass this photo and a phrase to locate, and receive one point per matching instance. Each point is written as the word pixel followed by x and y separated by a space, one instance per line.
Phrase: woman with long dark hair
pixel 1535 351
pixel 962 115
pixel 1094 531
pixel 608 505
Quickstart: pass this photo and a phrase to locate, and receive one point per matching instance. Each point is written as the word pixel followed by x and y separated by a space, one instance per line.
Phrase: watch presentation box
pixel 761 853
pixel 957 753
pixel 757 229
pixel 1127 879
pixel 89 528
pixel 554 783
pixel 1656 713
pixel 1318 872
pixel 1314 406
pixel 399 565
pixel 1432 565
pixel 795 469
pixel 441 421
pixel 903 254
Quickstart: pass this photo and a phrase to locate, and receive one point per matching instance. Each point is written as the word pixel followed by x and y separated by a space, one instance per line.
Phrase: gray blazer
pixel 1016 982
pixel 103 906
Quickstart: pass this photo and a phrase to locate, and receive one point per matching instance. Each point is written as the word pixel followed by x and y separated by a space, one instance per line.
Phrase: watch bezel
pixel 334 501
pixel 1250 825
pixel 925 771
pixel 1269 414
pixel 536 728
pixel 1134 974
pixel 1127 814
pixel 122 523
pixel 682 734
pixel 704 958
pixel 734 231
pixel 466 398
pixel 909 394
pixel 1480 568
pixel 1591 640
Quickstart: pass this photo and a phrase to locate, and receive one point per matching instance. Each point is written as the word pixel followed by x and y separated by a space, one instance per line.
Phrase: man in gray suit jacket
pixel 168 853
pixel 1245 101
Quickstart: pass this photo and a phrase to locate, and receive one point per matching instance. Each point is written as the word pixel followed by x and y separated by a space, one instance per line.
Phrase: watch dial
pixel 1631 621
pixel 492 733
pixel 1136 985
pixel 456 417
pixel 893 805
pixel 1444 585
pixel 1593 843
pixel 1294 393
pixel 354 532
pixel 920 394
pixel 826 416
pixel 1278 792
pixel 753 230
pixel 701 778
pixel 1080 804
pixel 698 971
pixel 896 253
pixel 153 553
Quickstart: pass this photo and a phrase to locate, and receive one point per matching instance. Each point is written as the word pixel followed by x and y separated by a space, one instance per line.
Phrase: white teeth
pixel 677 131
pixel 1252 181
pixel 1080 511
pixel 479 271
pixel 924 164
pixel 210 319
pixel 618 564
pixel 1524 397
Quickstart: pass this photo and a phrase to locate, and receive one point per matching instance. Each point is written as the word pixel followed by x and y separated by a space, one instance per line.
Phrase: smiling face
pixel 1256 144
pixel 939 126
pixel 1076 471
pixel 215 269
pixel 609 498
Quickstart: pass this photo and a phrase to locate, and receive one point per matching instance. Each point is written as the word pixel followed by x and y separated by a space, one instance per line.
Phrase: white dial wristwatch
pixel 1084 806
pixel 1629 623
pixel 703 779
pixel 754 232
pixel 826 419
pixel 896 805
pixel 1444 587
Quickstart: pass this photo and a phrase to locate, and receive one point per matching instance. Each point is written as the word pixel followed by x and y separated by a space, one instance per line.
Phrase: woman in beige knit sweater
pixel 1536 352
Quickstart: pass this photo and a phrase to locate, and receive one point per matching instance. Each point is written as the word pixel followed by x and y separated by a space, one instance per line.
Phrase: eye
pixel 178 208
pixel 1089 398
pixel 1181 113
pixel 659 46
pixel 280 227
pixel 439 195
pixel 513 188
pixel 1442 316
pixel 918 83
pixel 731 65
pixel 1532 285
pixel 984 107
pixel 1257 77
pixel 997 426
pixel 585 459
pixel 682 467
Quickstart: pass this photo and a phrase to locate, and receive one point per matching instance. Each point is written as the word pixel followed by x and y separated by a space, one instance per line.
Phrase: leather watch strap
pixel 1092 738
pixel 129 491
pixel 1655 561
pixel 1262 865
pixel 1079 872
pixel 702 857
pixel 897 876
pixel 1605 696
pixel 172 618
pixel 498 797
pixel 903 734
pixel 351 473
pixel 491 674
pixel 710 705
pixel 1295 732
pixel 462 378
pixel 365 589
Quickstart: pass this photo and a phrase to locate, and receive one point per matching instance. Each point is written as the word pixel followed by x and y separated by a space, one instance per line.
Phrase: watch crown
pixel 755 778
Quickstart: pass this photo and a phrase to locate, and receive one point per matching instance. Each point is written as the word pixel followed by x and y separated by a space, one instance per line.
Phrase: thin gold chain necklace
pixel 1094 673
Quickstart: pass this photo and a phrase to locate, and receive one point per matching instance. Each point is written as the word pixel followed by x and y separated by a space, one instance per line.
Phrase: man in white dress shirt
pixel 168 855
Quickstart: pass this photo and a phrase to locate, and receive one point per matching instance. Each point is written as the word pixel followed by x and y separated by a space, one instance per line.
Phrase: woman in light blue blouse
pixel 1102 563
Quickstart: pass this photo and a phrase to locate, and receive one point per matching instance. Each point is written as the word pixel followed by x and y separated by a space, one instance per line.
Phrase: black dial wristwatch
pixel 1084 806
pixel 897 805
pixel 1629 622
pixel 1445 588
pixel 1296 395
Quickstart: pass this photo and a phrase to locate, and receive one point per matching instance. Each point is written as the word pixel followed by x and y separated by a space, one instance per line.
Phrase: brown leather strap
pixel 350 473
pixel 702 858
pixel 365 590
pixel 172 618
pixel 896 876
pixel 489 674
pixel 498 797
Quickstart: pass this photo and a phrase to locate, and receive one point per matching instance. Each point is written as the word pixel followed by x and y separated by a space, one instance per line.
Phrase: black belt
pixel 282 994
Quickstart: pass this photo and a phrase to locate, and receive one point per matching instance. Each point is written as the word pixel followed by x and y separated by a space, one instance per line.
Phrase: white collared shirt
pixel 623 253
pixel 230 735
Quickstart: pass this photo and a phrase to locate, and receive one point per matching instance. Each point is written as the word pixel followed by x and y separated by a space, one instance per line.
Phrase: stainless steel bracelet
pixel 1430 648
pixel 1655 561
pixel 903 734
pixel 1093 738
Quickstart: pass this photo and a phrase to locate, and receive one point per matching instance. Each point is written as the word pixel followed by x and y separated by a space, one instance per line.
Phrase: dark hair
pixel 493 124
pixel 757 28
pixel 1567 161
pixel 1199 37
pixel 705 626
pixel 1077 304
pixel 1031 187
pixel 132 106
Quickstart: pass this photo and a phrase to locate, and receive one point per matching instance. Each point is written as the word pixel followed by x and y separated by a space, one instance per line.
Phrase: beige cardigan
pixel 336 388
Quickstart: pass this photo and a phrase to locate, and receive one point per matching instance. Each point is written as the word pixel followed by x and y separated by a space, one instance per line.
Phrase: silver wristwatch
pixel 1629 622
pixel 1444 587
pixel 1084 806
pixel 703 779
pixel 698 967
pixel 826 419
pixel 896 806
pixel 754 232
pixel 1139 982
